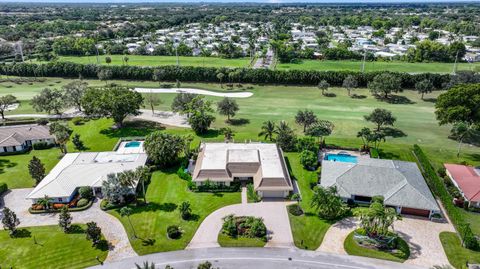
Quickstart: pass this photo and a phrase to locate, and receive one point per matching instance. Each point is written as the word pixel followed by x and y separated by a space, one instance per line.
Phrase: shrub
pixel 86 192
pixel 174 232
pixel 41 145
pixel 183 175
pixel 252 194
pixel 77 121
pixel 82 202
pixel 42 121
pixel 309 159
pixel 295 210
pixel 3 188
pixel 374 153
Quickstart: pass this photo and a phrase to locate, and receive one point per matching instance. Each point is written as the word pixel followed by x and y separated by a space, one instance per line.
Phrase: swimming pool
pixel 132 144
pixel 341 157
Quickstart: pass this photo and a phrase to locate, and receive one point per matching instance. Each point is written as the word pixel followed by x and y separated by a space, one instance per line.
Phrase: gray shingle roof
pixel 17 135
pixel 400 183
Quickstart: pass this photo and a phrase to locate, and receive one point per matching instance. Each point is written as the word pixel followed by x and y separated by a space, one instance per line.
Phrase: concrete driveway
pixel 274 215
pixel 421 234
pixel 111 227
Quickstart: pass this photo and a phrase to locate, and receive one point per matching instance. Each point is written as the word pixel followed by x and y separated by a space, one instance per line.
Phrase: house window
pixel 365 199
pixel 60 200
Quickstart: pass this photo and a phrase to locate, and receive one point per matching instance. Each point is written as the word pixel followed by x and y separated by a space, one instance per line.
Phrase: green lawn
pixel 233 242
pixel 54 249
pixel 308 230
pixel 352 248
pixel 456 254
pixel 143 60
pixel 376 66
pixel 165 193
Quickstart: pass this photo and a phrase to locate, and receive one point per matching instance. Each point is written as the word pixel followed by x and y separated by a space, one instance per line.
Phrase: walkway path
pixel 274 215
pixel 421 235
pixel 195 91
pixel 111 227
pixel 244 195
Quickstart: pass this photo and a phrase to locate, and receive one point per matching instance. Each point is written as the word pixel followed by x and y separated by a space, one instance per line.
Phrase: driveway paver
pixel 274 214
pixel 111 227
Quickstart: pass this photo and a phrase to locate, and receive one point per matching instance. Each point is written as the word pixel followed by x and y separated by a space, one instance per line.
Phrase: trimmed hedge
pixel 3 188
pixel 437 186
pixel 209 74
pixel 42 145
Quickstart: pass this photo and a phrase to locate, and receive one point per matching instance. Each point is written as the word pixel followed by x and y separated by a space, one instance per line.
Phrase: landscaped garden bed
pixel 391 247
pixel 242 231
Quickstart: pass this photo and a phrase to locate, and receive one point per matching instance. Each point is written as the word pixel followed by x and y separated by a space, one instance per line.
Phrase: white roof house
pixel 84 169
pixel 261 162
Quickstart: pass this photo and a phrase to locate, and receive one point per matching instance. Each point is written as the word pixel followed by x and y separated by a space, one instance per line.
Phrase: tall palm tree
pixel 268 130
pixel 126 212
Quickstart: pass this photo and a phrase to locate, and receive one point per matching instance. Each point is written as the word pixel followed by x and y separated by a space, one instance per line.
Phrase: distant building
pixel 467 181
pixel 21 137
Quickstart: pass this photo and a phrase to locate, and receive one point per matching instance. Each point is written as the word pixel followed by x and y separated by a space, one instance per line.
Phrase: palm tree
pixel 227 133
pixel 146 265
pixel 45 202
pixel 126 212
pixel 268 130
pixel 185 210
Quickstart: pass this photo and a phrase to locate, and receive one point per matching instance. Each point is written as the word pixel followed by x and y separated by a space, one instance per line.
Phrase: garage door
pixel 273 194
pixel 415 212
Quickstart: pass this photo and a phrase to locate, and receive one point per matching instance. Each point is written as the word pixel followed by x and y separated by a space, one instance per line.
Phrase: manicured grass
pixel 14 168
pixel 233 242
pixel 376 66
pixel 143 60
pixel 457 255
pixel 308 230
pixel 473 219
pixel 352 248
pixel 54 249
pixel 164 194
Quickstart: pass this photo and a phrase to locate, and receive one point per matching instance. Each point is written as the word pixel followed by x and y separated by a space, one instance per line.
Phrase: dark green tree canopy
pixel 163 149
pixel 381 117
pixel 459 104
pixel 227 107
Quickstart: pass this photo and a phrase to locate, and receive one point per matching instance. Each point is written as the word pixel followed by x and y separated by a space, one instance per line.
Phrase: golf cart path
pixel 112 228
pixel 195 91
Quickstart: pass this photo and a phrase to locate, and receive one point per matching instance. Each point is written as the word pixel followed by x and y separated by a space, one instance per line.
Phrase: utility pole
pixel 364 58
pixel 455 64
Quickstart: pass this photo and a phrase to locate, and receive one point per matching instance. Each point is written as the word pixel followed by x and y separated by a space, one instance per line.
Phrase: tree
pixel 227 107
pixel 162 148
pixel 384 84
pixel 132 178
pixel 376 137
pixel 6 103
pixel 147 265
pixel 108 60
pixel 365 134
pixel 62 134
pixel 125 59
pixel 424 86
pixel 323 86
pixel 378 218
pixel 220 77
pixel 86 192
pixel 45 202
pixel 104 74
pixel 112 102
pixel 48 100
pixel 77 143
pixel 381 117
pixel 126 212
pixel 185 210
pixel 227 133
pixel 320 129
pixel 64 219
pixel 462 131
pixel 36 169
pixel 73 93
pixel 349 83
pixel 268 130
pixel 158 75
pixel 305 118
pixel 286 138
pixel 94 233
pixel 327 203
pixel 152 100
pixel 10 221
pixel 309 159
pixel 200 119
pixel 180 103
pixel 114 190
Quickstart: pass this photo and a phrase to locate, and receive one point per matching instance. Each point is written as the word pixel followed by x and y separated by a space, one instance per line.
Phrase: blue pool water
pixel 133 144
pixel 346 158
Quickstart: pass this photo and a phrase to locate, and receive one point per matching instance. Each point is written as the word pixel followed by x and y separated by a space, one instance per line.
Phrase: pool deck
pixel 357 154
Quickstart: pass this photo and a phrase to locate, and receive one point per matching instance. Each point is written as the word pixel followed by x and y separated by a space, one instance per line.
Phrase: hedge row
pixel 209 74
pixel 437 186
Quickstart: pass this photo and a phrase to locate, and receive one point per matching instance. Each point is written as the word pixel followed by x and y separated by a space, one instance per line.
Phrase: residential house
pixel 467 181
pixel 22 137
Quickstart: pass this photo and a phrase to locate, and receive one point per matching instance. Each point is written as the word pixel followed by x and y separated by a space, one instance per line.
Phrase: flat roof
pixel 84 169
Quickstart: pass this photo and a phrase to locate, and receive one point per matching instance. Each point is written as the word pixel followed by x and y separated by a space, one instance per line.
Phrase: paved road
pixel 274 215
pixel 265 258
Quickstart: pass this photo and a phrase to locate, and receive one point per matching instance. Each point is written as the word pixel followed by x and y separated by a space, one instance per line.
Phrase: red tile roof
pixel 467 179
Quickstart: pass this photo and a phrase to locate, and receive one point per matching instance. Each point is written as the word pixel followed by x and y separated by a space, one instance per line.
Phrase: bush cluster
pixel 82 202
pixel 209 74
pixel 440 190
pixel 3 188
pixel 295 210
pixel 174 232
pixel 41 145
pixel 244 226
